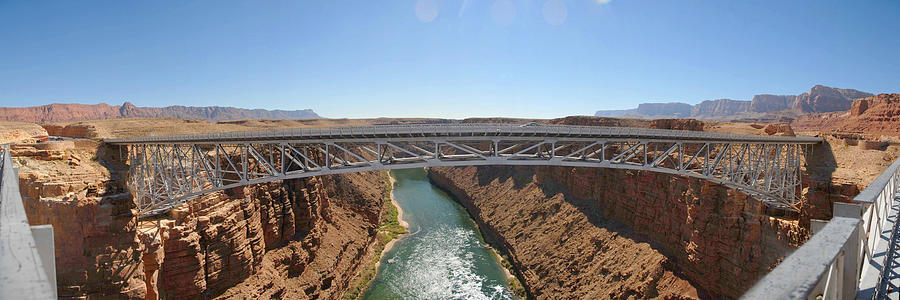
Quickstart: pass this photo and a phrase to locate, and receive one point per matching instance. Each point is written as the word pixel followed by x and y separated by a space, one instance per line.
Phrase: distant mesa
pixel 79 112
pixel 819 99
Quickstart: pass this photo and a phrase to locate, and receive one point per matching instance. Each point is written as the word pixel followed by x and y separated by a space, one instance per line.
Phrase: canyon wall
pixel 97 249
pixel 295 239
pixel 768 103
pixel 711 109
pixel 822 99
pixel 298 239
pixel 872 116
pixel 604 233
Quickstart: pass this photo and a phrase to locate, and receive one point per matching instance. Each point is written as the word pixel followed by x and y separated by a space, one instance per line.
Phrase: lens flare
pixel 426 10
pixel 503 12
pixel 555 12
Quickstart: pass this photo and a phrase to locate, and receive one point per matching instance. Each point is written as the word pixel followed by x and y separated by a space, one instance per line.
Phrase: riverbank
pixel 391 229
pixel 398 218
pixel 397 205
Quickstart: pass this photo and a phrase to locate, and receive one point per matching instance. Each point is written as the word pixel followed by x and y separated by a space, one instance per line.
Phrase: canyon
pixel 819 99
pixel 660 235
pixel 621 234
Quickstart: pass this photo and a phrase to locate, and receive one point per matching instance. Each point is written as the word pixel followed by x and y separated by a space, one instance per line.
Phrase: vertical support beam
pixel 437 150
pixel 244 163
pixel 378 153
pixel 327 156
pixel 282 168
pixel 306 158
pixel 602 151
pixel 495 151
pixel 218 175
pixel 645 153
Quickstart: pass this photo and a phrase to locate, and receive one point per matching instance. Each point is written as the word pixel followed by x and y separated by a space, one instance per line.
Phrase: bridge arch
pixel 166 171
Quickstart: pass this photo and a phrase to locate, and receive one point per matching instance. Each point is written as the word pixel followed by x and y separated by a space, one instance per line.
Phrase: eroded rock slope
pixel 598 233
pixel 297 239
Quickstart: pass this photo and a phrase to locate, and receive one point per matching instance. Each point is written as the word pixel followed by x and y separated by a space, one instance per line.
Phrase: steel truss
pixel 164 174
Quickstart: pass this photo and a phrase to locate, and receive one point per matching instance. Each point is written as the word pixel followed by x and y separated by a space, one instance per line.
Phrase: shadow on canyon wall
pixel 820 162
pixel 590 208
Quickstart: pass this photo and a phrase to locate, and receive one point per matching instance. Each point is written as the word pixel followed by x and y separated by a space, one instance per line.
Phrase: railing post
pixel 851 262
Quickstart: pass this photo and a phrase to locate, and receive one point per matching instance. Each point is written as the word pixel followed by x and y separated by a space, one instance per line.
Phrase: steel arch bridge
pixel 169 170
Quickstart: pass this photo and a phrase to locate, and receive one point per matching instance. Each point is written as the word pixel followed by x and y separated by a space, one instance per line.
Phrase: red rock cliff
pixel 297 239
pixel 603 233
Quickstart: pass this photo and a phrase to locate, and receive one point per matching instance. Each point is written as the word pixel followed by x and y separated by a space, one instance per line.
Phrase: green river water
pixel 443 257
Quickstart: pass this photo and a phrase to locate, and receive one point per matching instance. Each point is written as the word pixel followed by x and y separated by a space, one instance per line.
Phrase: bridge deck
pixel 465 130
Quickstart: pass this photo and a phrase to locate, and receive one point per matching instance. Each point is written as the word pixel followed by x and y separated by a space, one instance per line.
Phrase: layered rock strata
pixel 819 99
pixel 298 239
pixel 710 109
pixel 603 233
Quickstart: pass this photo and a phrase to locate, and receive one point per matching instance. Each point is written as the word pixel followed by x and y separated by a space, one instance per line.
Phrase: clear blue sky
pixel 440 58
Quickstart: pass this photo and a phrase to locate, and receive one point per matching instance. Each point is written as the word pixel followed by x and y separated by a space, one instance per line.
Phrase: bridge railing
pixel 879 218
pixel 464 130
pixel 847 258
pixel 27 263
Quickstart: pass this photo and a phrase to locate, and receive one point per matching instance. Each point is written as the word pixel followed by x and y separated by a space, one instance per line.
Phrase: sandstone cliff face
pixel 719 108
pixel 295 239
pixel 822 99
pixel 98 253
pixel 76 112
pixel 73 130
pixel 769 103
pixel 584 233
pixel 59 112
pixel 779 129
pixel 818 100
pixel 14 132
pixel 875 115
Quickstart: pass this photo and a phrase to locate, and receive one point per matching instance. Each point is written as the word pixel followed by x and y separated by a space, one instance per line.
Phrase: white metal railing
pixel 815 270
pixel 26 268
pixel 848 257
pixel 879 221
